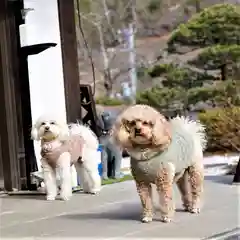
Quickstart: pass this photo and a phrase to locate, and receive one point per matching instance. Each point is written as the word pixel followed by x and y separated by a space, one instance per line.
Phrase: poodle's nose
pixel 137 130
pixel 46 128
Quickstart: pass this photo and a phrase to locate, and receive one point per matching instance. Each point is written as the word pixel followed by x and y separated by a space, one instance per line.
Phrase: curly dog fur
pixel 163 152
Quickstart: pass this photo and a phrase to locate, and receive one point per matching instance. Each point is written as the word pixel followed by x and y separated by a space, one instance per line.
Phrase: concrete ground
pixel 115 213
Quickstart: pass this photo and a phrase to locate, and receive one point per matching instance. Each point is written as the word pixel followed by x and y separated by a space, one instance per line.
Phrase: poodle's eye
pixel 43 123
pixel 132 123
pixel 52 123
pixel 145 123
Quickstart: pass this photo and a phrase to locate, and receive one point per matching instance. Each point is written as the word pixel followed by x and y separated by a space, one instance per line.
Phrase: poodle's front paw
pixel 50 198
pixel 147 219
pixel 186 208
pixel 166 219
pixel 194 210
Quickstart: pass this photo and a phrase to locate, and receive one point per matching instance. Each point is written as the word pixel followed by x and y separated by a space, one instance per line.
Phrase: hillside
pixel 150 41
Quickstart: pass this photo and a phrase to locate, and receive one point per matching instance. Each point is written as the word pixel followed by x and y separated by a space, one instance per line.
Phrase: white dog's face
pixel 48 130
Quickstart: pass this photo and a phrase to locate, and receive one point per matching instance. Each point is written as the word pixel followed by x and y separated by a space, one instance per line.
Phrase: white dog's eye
pixel 52 123
pixel 147 123
pixel 43 123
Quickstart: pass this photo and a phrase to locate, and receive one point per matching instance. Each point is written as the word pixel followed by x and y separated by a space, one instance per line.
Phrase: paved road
pixel 114 214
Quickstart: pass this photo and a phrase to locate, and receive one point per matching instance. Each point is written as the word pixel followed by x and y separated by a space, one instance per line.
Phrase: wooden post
pixel 66 10
pixel 8 108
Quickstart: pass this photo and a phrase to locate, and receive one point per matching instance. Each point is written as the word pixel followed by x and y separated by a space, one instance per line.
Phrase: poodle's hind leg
pixel 196 178
pixel 49 175
pixel 64 164
pixel 184 187
pixel 145 194
pixel 164 183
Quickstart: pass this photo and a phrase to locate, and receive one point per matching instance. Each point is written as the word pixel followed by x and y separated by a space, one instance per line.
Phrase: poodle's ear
pixel 120 135
pixel 161 133
pixel 64 132
pixel 34 134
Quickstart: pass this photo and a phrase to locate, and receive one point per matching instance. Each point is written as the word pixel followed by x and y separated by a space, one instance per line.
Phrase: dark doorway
pixel 17 156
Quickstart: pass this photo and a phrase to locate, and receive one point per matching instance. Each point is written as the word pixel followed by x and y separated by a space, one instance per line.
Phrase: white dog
pixel 90 180
pixel 62 146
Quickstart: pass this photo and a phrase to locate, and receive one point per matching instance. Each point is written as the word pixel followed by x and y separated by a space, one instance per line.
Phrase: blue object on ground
pixel 100 169
pixel 100 148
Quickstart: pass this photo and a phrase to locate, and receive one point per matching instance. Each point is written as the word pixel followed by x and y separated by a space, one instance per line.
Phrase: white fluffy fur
pixel 186 149
pixel 61 128
pixel 188 143
pixel 88 171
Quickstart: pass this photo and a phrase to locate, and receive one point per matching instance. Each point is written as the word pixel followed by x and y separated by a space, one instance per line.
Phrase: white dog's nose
pixel 46 128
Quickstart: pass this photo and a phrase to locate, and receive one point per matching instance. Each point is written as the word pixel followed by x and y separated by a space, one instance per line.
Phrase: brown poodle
pixel 163 152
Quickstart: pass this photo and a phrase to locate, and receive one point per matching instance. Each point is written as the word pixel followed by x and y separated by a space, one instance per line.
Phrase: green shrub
pixel 216 56
pixel 176 76
pixel 222 128
pixel 170 101
pixel 218 24
pixel 106 101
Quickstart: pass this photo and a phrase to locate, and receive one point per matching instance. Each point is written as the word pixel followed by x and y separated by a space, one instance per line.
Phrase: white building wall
pixel 45 69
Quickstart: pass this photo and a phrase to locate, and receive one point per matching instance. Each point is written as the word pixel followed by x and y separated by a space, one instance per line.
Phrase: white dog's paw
pixel 146 219
pixel 50 198
pixel 166 219
pixel 65 197
pixel 93 192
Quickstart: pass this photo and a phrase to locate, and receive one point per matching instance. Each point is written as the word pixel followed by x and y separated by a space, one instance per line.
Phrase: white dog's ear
pixel 64 132
pixel 34 134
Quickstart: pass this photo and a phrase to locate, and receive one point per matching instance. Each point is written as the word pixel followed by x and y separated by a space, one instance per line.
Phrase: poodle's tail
pixel 86 133
pixel 194 127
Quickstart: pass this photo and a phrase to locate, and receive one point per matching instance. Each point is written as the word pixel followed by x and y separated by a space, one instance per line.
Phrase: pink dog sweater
pixel 74 146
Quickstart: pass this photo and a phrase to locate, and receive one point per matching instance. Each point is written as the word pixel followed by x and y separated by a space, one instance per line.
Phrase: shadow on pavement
pixel 25 196
pixel 134 213
pixel 131 212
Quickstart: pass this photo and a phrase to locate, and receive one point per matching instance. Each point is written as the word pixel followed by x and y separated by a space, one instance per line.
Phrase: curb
pixel 216 165
pixel 233 234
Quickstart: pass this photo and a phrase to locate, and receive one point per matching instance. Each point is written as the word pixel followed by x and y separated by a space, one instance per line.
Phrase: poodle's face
pixel 142 126
pixel 140 132
pixel 48 130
